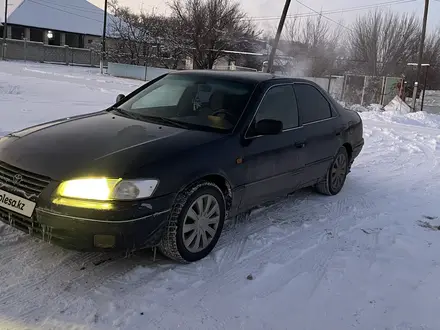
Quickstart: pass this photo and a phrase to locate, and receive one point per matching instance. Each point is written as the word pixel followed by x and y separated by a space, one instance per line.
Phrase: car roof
pixel 241 76
pixel 245 76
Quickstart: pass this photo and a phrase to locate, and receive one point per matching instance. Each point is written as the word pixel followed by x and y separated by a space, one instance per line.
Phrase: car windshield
pixel 190 101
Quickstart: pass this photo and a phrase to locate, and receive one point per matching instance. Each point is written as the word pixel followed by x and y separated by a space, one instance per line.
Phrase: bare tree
pixel 134 35
pixel 383 42
pixel 211 27
pixel 431 56
pixel 313 44
pixel 173 48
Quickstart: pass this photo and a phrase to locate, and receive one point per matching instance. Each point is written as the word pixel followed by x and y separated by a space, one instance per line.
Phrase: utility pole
pixel 420 58
pixel 5 31
pixel 424 87
pixel 277 36
pixel 104 32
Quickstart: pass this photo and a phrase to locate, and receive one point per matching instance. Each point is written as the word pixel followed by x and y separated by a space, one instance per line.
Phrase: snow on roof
pixel 76 16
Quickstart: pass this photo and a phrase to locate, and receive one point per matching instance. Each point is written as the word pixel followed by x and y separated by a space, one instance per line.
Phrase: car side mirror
pixel 119 97
pixel 268 127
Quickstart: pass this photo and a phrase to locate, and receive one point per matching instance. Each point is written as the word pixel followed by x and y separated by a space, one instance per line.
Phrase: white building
pixel 76 23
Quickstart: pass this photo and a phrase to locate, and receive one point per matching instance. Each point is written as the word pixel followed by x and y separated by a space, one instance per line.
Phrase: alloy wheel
pixel 201 223
pixel 338 172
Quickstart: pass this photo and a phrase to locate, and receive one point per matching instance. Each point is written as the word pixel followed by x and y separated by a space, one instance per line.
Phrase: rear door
pixel 273 162
pixel 321 130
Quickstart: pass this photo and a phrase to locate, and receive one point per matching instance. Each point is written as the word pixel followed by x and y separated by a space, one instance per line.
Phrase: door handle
pixel 300 144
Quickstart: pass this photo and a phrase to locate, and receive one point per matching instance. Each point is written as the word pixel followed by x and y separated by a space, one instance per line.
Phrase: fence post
pixel 343 88
pixel 4 47
pixel 145 78
pixel 363 90
pixel 25 50
pixel 66 54
pixel 329 83
pixel 91 57
pixel 382 94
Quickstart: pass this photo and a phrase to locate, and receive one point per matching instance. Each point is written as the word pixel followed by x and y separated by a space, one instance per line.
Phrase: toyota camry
pixel 167 164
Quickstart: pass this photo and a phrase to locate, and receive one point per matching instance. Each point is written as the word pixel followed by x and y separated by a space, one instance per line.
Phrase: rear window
pixel 313 106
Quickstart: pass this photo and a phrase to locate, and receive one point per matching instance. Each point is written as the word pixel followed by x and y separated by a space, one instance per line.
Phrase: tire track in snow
pixel 288 249
pixel 378 193
pixel 43 285
pixel 240 253
pixel 234 243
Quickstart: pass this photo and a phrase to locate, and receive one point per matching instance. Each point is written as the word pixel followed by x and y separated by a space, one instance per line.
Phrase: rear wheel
pixel 195 223
pixel 335 177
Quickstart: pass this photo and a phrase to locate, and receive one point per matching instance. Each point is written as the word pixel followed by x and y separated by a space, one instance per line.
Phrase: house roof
pixel 76 16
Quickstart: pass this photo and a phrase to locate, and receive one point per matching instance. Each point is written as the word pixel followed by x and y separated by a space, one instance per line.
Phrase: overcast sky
pixel 265 8
pixel 271 8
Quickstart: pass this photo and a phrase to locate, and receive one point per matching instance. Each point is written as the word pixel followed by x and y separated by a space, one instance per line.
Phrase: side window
pixel 279 104
pixel 312 105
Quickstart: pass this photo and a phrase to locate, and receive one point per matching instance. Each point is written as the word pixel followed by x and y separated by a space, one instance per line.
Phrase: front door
pixel 274 163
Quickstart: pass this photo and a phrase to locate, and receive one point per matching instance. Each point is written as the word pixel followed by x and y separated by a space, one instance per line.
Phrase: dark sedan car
pixel 168 163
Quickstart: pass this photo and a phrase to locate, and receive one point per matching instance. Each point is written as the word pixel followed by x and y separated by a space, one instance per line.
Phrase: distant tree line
pixel 378 43
pixel 200 29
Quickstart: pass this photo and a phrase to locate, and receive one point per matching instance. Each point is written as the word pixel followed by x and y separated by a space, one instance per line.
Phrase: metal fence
pixel 363 90
pixel 135 71
pixel 366 90
pixel 40 52
pixel 349 89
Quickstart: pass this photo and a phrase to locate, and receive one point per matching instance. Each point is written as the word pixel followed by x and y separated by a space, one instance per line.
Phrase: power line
pixel 260 18
pixel 336 11
pixel 97 11
pixel 320 14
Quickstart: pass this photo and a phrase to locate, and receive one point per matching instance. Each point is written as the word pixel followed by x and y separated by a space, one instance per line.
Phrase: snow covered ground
pixel 365 259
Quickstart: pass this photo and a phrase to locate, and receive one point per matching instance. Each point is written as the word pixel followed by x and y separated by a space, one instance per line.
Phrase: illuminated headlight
pixel 105 189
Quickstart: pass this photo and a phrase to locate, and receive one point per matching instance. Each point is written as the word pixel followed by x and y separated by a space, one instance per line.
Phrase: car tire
pixel 334 179
pixel 175 243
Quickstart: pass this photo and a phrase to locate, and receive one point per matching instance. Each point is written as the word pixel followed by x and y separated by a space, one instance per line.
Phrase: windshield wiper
pixel 166 120
pixel 129 114
pixel 138 116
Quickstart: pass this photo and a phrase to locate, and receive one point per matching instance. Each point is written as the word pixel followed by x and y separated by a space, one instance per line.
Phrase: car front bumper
pixel 128 226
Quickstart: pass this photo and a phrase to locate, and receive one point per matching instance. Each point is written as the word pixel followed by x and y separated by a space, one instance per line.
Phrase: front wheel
pixel 335 177
pixel 195 223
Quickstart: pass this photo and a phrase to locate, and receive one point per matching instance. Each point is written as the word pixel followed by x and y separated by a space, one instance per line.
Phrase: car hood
pixel 95 144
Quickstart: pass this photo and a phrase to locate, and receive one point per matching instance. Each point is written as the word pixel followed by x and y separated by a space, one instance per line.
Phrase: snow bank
pixel 420 118
pixel 371 107
pixel 398 105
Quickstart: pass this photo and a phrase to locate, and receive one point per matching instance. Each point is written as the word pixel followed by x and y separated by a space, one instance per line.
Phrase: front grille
pixel 28 225
pixel 30 183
